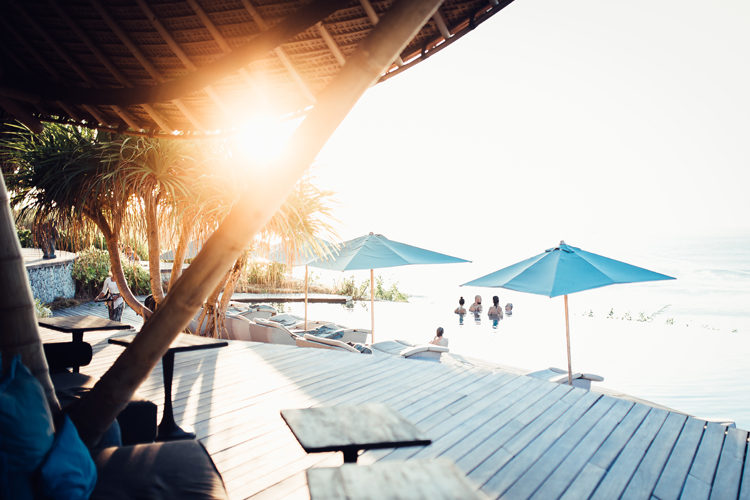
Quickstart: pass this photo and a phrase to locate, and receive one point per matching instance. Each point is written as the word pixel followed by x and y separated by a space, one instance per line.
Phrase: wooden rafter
pixel 280 52
pixel 146 64
pixel 98 115
pixel 440 23
pixel 306 16
pixel 181 55
pixel 331 43
pixel 458 32
pixel 218 37
pixel 374 19
pixel 127 117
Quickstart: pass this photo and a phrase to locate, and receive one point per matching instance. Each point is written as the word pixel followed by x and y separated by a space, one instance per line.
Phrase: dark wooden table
pixel 349 429
pixel 168 428
pixel 78 325
pixel 435 479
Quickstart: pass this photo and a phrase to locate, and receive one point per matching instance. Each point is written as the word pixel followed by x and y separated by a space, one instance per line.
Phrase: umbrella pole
pixel 305 297
pixel 372 306
pixel 567 338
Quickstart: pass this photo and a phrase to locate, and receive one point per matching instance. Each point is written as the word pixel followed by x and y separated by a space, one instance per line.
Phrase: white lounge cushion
pixel 334 343
pixel 410 351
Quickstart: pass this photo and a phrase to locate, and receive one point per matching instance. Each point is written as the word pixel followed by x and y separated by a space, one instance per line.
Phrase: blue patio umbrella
pixel 375 251
pixel 563 270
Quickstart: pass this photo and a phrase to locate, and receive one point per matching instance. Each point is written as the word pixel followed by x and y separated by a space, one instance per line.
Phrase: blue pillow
pixel 26 431
pixel 68 473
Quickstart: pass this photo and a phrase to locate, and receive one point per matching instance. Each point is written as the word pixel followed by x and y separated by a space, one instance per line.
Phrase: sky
pixel 594 121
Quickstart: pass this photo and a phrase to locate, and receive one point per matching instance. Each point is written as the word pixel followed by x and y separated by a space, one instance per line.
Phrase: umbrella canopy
pixel 562 270
pixel 375 251
pixel 565 269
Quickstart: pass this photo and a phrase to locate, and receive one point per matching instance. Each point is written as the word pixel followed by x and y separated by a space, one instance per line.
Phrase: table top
pixel 354 428
pixel 81 323
pixel 181 344
pixel 434 479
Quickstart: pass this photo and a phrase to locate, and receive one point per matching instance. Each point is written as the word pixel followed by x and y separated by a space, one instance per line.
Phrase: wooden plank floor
pixel 513 436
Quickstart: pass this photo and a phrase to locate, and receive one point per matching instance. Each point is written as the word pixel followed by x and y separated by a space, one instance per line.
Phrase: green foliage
pixel 91 268
pixel 349 287
pixel 271 274
pixel 41 309
pixel 611 314
pixel 24 236
pixel 137 278
pixel 670 321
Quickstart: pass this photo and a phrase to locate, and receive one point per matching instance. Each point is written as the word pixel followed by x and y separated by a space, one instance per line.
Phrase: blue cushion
pixel 26 431
pixel 68 473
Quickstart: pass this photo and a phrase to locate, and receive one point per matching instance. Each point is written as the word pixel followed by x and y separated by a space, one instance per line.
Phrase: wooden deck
pixel 513 436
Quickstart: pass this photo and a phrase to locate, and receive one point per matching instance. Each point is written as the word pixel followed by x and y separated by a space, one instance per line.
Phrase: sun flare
pixel 261 140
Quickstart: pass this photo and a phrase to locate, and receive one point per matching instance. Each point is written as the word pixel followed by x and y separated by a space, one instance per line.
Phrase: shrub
pixel 137 278
pixel 24 237
pixel 90 270
pixel 41 310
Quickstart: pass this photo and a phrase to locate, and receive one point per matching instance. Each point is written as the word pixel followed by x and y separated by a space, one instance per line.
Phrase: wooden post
pixel 305 297
pixel 372 306
pixel 19 332
pixel 97 409
pixel 567 338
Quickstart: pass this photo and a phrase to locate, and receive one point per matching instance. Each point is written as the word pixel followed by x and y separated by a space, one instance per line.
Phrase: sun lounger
pixel 263 330
pixel 312 341
pixel 559 376
pixel 429 352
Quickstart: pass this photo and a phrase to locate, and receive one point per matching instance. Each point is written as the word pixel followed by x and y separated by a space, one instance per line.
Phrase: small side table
pixel 436 479
pixel 349 429
pixel 78 325
pixel 168 428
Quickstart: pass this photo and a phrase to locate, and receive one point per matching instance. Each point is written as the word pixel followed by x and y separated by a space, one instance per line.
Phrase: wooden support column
pixel 98 408
pixel 20 332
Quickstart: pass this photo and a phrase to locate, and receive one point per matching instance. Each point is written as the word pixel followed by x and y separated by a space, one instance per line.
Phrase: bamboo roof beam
pixel 218 37
pixel 280 52
pixel 440 23
pixel 305 17
pixel 181 55
pixel 64 56
pixel 146 64
pixel 110 67
pixel 331 43
pixel 374 19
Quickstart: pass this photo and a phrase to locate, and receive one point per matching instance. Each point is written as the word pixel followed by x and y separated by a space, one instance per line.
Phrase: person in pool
pixel 439 339
pixel 496 311
pixel 460 309
pixel 476 307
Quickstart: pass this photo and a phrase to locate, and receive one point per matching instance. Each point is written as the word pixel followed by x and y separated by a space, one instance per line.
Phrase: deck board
pixel 515 436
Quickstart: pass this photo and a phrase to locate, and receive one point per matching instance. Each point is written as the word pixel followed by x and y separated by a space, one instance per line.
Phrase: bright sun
pixel 261 140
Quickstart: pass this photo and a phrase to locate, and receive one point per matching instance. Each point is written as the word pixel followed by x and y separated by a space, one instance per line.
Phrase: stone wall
pixel 52 279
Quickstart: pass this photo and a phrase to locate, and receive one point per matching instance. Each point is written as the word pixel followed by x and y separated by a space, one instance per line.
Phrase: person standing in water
pixel 460 309
pixel 496 311
pixel 439 339
pixel 476 307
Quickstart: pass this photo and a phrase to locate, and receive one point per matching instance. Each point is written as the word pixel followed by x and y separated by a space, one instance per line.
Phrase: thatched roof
pixel 194 66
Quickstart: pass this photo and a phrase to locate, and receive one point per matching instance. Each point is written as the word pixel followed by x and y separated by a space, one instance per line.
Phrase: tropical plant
pixel 41 310
pixel 70 176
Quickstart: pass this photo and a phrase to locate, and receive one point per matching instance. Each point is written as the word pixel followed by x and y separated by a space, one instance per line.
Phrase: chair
pixel 559 376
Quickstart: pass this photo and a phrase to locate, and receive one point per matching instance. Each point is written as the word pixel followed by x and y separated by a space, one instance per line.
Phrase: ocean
pixel 682 343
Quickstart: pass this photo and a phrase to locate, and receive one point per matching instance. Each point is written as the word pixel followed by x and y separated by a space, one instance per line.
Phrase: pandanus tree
pixel 71 176
pixel 158 173
pixel 301 221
